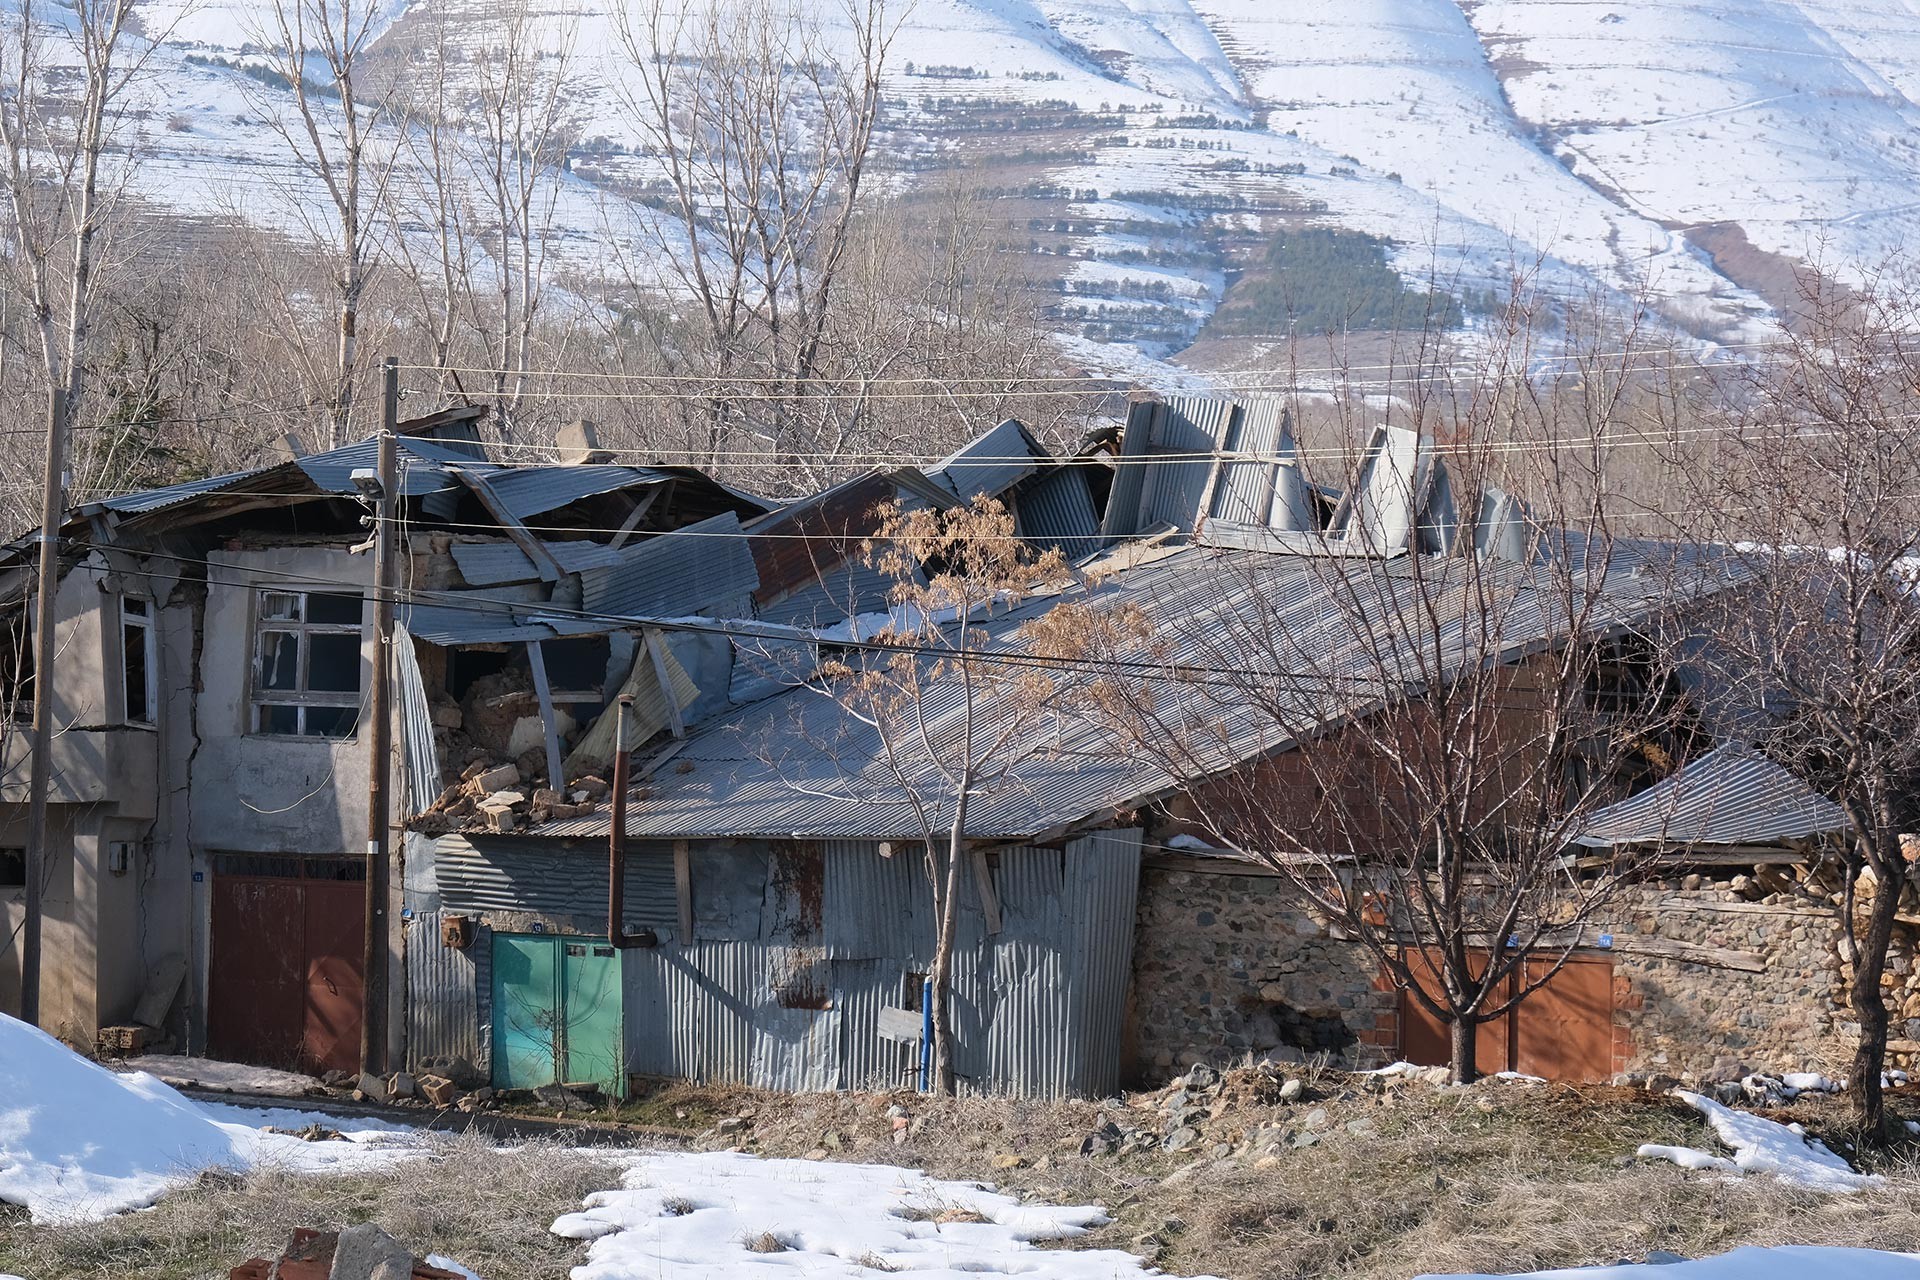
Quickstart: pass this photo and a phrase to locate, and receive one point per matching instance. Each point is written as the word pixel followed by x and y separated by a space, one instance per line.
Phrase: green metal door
pixel 556 1012
pixel 590 989
pixel 526 1003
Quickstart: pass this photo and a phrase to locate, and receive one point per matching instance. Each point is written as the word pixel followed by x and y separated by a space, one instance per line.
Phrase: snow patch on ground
pixel 233 1077
pixel 694 1216
pixel 1797 1262
pixel 1763 1146
pixel 79 1142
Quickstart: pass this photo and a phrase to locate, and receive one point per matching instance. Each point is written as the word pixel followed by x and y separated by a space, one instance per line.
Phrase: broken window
pixel 306 664
pixel 140 691
pixel 13 868
pixel 16 665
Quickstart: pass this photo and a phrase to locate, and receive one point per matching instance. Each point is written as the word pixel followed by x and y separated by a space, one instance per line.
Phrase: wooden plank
pixel 530 546
pixel 983 880
pixel 905 1026
pixel 537 662
pixel 1678 903
pixel 635 516
pixel 683 890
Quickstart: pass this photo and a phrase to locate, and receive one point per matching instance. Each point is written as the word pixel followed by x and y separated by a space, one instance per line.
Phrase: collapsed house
pixel 773 924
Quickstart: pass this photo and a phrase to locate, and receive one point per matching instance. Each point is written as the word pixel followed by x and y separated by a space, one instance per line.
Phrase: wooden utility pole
pixel 373 1028
pixel 617 828
pixel 53 512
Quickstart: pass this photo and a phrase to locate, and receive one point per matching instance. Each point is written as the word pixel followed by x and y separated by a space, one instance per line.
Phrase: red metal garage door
pixel 1563 1031
pixel 285 988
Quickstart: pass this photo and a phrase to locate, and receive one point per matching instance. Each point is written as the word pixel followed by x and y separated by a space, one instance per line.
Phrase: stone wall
pixel 1691 1019
pixel 1227 964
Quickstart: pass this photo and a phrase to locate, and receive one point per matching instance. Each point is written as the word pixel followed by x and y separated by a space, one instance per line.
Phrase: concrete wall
pixel 267 794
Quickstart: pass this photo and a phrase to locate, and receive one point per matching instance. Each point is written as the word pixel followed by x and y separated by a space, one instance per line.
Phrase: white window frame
pixel 301 697
pixel 149 658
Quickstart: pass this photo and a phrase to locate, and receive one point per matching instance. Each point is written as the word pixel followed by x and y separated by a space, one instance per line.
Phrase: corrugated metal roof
pixel 991 463
pixel 849 588
pixel 530 491
pixel 1056 510
pixel 675 574
pixel 174 494
pixel 1731 795
pixel 489 621
pixel 797 764
pixel 490 564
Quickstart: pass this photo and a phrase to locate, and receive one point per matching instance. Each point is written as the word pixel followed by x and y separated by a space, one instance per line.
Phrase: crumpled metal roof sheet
pixel 489 621
pixel 675 574
pixel 174 494
pixel 531 491
pixel 797 765
pixel 1731 795
pixel 991 463
pixel 1055 510
pixel 489 564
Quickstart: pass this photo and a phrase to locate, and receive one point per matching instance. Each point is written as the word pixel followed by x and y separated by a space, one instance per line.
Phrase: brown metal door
pixel 288 939
pixel 1423 1037
pixel 336 914
pixel 1565 1029
pixel 256 998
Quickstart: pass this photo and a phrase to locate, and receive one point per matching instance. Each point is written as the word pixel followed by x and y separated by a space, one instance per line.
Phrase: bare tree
pixel 61 198
pixel 332 115
pixel 761 127
pixel 489 134
pixel 1409 708
pixel 953 704
pixel 1813 489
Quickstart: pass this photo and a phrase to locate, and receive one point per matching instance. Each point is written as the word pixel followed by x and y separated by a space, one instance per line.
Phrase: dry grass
pixel 488 1209
pixel 1497 1178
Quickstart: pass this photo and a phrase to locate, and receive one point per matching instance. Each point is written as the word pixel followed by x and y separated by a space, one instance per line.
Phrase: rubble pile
pixel 500 797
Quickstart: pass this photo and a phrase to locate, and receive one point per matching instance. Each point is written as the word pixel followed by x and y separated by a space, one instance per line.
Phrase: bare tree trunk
pixel 945 1081
pixel 1461 1067
pixel 1866 997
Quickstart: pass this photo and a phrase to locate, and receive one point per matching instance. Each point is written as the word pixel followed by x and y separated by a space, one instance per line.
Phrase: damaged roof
pixel 1733 795
pixel 797 765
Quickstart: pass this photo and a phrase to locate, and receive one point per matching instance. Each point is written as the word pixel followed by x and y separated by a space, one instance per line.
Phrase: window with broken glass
pixel 306 664
pixel 139 691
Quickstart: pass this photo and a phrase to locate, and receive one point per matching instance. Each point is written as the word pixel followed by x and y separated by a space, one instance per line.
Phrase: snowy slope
pixel 1593 139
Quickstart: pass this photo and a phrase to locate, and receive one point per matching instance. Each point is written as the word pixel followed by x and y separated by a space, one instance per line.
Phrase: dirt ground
pixel 1306 1174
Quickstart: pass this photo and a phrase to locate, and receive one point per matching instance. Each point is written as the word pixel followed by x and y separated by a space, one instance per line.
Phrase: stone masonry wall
pixel 1692 1020
pixel 1226 964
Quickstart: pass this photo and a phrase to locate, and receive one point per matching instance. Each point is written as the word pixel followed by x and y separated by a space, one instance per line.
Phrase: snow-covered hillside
pixel 1697 147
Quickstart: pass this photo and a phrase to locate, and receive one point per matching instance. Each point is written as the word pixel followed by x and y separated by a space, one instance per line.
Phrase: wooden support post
pixel 617 828
pixel 683 890
pixel 530 546
pixel 542 690
pixel 373 1025
pixel 983 881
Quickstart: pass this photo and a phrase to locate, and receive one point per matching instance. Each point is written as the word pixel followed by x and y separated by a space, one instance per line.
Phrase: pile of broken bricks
pixel 362 1252
pixel 493 798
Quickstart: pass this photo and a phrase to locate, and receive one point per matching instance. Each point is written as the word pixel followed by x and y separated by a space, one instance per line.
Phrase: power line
pixel 767 632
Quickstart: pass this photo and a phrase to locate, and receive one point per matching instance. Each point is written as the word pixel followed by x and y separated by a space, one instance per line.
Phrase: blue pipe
pixel 926 1035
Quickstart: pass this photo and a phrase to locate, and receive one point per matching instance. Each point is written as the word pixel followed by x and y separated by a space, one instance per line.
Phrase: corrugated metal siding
pixel 676 574
pixel 1102 873
pixel 526 874
pixel 878 907
pixel 443 1014
pixel 488 564
pixel 861 988
pixel 689 1010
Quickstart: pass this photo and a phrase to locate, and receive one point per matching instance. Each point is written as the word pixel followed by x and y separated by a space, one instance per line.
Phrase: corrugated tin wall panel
pixel 443 1017
pixel 861 988
pixel 527 874
pixel 1056 510
pixel 878 907
pixel 689 1010
pixel 1103 876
